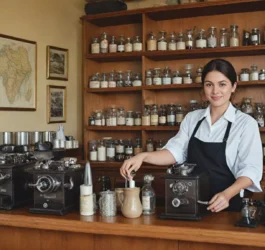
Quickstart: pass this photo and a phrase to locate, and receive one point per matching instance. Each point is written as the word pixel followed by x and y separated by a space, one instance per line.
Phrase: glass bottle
pixel 247 106
pixel 94 82
pixel 138 118
pixel 172 44
pixel 101 151
pixel 104 43
pixel 255 37
pixel 137 44
pixel 91 120
pixel 148 77
pixel 162 115
pixel 244 75
pixel 95 48
pixel 157 80
pixel 103 119
pixel 189 39
pixel 121 46
pixel 113 45
pixel 223 38
pixel 193 105
pixel 93 153
pixel 171 115
pixel 120 150
pixel 146 119
pixel 103 80
pixel 149 145
pixel 119 79
pixel 234 36
pixel 177 78
pixel 246 38
pixel 254 73
pixel 112 81
pixel 159 145
pixel 110 150
pixel 148 196
pixel 212 39
pixel 129 118
pixel 108 117
pixel 179 114
pixel 154 115
pixel 128 149
pixel 128 78
pixel 137 80
pixel 187 78
pixel 98 118
pixel 259 115
pixel 162 41
pixel 201 40
pixel 121 121
pixel 198 78
pixel 138 146
pixel 151 42
pixel 128 45
pixel 262 74
pixel 166 79
pixel 113 116
pixel 181 45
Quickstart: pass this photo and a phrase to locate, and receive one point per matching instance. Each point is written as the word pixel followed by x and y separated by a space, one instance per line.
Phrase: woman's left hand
pixel 219 202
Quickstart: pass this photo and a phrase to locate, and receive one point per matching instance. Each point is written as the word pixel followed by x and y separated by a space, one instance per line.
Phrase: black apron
pixel 210 157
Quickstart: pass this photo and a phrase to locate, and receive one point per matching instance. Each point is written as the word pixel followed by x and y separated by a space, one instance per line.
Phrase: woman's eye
pixel 208 84
pixel 222 84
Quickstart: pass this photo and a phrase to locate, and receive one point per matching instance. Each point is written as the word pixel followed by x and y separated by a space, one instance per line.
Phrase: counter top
pixel 214 228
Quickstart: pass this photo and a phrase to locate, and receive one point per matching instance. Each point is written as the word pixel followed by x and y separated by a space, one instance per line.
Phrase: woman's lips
pixel 215 98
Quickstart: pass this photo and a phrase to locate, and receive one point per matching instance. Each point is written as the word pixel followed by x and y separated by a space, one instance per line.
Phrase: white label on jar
pixel 104 44
pixel 262 76
pixel 112 48
pixel 157 81
pixel 201 43
pixel 179 118
pixel 177 80
pixel 108 121
pixel 103 122
pixel 98 122
pixel 198 79
pixel 120 148
pixel 234 42
pixel 110 152
pixel 162 120
pixel 254 38
pixel 138 121
pixel 170 118
pixel 260 121
pixel 146 202
pixel 121 48
pixel 146 120
pixel 102 153
pixel 189 43
pixel 172 46
pixel 86 205
pixel 149 147
pixel 244 77
pixel 112 84
pixel 128 151
pixel 95 48
pixel 148 81
pixel 154 120
pixel 166 80
pixel 121 121
pixel 128 47
pixel 104 84
pixel 129 121
pixel 212 42
pixel 137 83
pixel 137 47
pixel 94 84
pixel 181 45
pixel 162 45
pixel 254 76
pixel 151 45
pixel 93 155
pixel 113 121
pixel 187 80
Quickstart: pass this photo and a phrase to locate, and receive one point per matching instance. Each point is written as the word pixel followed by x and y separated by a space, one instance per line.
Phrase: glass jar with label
pixel 246 38
pixel 171 115
pixel 128 149
pixel 157 80
pixel 101 149
pixel 247 106
pixel 193 105
pixel 255 37
pixel 110 150
pixel 201 40
pixel 121 44
pixel 160 144
pixel 154 115
pixel 98 118
pixel 104 43
pixel 128 45
pixel 130 118
pixel 113 116
pixel 138 146
pixel 223 38
pixel 137 44
pixel 91 120
pixel 121 117
pixel 151 42
pixel 93 153
pixel 120 150
pixel 181 45
pixel 212 39
pixel 137 81
pixel 254 73
pixel 177 78
pixel 149 145
pixel 113 45
pixel 162 41
pixel 148 77
pixel 189 39
pixel 146 119
pixel 103 80
pixel 262 74
pixel 187 77
pixel 94 82
pixel 103 119
pixel 95 48
pixel 259 114
pixel 234 36
pixel 128 78
pixel 172 44
pixel 198 78
pixel 244 75
pixel 119 79
pixel 138 118
pixel 162 115
pixel 166 79
pixel 179 114
pixel 112 81
pixel 107 117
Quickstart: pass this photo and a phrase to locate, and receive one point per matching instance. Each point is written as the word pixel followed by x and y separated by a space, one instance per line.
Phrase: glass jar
pixel 255 37
pixel 172 44
pixel 151 42
pixel 166 79
pixel 138 118
pixel 98 118
pixel 128 45
pixel 234 36
pixel 120 150
pixel 244 75
pixel 108 117
pixel 137 44
pixel 223 38
pixel 201 40
pixel 157 80
pixel 119 79
pixel 193 105
pixel 162 41
pixel 154 115
pixel 112 81
pixel 121 114
pixel 91 120
pixel 171 115
pixel 160 144
pixel 94 82
pixel 187 78
pixel 113 45
pixel 247 106
pixel 146 119
pixel 246 38
pixel 129 118
pixel 128 149
pixel 259 114
pixel 103 80
pixel 101 149
pixel 149 145
pixel 113 116
pixel 93 153
pixel 138 146
pixel 181 45
pixel 110 150
pixel 189 39
pixel 95 48
pixel 103 119
pixel 179 114
pixel 104 43
pixel 177 78
pixel 148 77
pixel 212 39
pixel 137 80
pixel 128 78
pixel 262 74
pixel 162 115
pixel 254 74
pixel 121 44
pixel 198 78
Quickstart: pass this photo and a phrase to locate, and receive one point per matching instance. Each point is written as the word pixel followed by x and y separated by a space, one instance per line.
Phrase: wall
pixel 48 22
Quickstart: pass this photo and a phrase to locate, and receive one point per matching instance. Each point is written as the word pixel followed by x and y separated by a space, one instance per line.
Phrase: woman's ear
pixel 234 87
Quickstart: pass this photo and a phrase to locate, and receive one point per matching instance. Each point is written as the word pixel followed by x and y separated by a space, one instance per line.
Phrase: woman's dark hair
pixel 223 67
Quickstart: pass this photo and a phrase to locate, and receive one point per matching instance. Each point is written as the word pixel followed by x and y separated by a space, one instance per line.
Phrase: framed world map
pixel 18 74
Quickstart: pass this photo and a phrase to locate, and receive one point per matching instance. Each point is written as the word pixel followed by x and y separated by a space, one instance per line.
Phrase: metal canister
pixel 49 136
pixel 62 143
pixel 22 138
pixel 56 143
pixel 75 144
pixel 35 137
pixel 68 144
pixel 7 138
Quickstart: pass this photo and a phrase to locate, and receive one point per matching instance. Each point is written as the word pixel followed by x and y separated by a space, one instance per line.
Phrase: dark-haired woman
pixel 221 140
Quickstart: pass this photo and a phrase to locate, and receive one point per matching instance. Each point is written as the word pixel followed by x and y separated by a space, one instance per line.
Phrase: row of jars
pixel 252 74
pixel 115 79
pixel 108 149
pixel 104 45
pixel 252 38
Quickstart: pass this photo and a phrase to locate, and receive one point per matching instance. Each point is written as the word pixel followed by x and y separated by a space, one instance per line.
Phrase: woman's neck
pixel 217 112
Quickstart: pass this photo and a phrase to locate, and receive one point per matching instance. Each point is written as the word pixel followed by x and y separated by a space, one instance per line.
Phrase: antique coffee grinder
pixel 187 193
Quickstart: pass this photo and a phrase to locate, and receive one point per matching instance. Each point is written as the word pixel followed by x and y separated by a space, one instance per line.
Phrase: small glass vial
pixel 138 146
pixel 94 82
pixel 157 80
pixel 149 145
pixel 148 77
pixel 113 116
pixel 119 79
pixel 198 78
pixel 187 78
pixel 112 81
pixel 110 150
pixel 160 145
pixel 108 118
pixel 95 48
pixel 113 45
pixel 103 80
pixel 120 150
pixel 128 149
pixel 148 196
pixel 121 117
pixel 129 118
pixel 101 151
pixel 223 39
pixel 179 114
pixel 104 43
pixel 166 79
pixel 246 38
pixel 98 118
pixel 171 115
pixel 151 42
pixel 181 45
pixel 162 41
pixel 193 105
pixel 189 39
pixel 247 106
pixel 172 44
pixel 254 74
pixel 138 118
pixel 93 153
pixel 259 115
pixel 146 119
pixel 212 39
pixel 177 78
pixel 128 78
pixel 255 37
pixel 244 75
pixel 201 40
pixel 121 46
pixel 234 36
pixel 137 82
pixel 137 44
pixel 91 120
pixel 162 115
pixel 154 115
pixel 262 74
pixel 128 45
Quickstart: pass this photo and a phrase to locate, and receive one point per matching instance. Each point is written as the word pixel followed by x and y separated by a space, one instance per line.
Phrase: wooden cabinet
pixel 247 14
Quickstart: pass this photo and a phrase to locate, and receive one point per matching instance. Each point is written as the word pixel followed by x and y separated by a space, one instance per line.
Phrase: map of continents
pixel 17 74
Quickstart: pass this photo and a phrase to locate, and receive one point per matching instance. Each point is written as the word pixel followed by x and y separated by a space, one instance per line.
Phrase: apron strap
pixel 197 126
pixel 227 131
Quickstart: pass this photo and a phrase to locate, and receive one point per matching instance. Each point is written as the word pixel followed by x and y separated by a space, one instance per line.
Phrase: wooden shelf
pixel 262 129
pixel 173 86
pixel 116 57
pixel 111 90
pixel 251 83
pixel 132 128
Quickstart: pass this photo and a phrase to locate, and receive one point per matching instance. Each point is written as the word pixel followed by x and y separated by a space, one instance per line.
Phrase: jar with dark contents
pixel 171 115
pixel 162 115
pixel 128 149
pixel 120 150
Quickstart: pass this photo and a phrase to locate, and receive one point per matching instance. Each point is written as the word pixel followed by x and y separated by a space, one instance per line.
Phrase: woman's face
pixel 218 88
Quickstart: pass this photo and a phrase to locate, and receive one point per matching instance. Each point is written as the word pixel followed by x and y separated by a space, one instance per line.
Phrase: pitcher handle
pixel 121 199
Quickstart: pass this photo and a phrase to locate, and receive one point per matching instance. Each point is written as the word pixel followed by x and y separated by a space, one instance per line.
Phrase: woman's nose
pixel 215 89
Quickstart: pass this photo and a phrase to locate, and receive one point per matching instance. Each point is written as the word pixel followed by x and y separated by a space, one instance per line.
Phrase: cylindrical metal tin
pixel 35 137
pixel 49 136
pixel 22 138
pixel 7 138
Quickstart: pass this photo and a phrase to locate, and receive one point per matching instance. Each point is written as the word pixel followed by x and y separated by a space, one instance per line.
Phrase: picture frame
pixel 56 104
pixel 57 63
pixel 18 74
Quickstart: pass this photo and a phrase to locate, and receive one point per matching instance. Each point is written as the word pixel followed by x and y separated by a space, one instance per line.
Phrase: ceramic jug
pixel 131 206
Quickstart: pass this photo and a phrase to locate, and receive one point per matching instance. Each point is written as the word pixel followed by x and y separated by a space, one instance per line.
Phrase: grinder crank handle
pixel 203 202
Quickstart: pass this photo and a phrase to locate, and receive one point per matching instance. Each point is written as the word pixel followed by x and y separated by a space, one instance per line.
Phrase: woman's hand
pixel 219 202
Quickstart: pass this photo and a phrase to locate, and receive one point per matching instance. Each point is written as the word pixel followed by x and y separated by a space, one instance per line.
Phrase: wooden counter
pixel 22 230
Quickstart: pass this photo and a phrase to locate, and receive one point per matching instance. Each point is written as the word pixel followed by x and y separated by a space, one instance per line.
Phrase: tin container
pixel 7 138
pixel 22 138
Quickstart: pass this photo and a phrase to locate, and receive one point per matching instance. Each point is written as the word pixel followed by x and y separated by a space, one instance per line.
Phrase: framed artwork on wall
pixel 57 63
pixel 56 104
pixel 18 74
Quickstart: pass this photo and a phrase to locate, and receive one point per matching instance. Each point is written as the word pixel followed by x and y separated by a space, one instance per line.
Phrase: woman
pixel 221 140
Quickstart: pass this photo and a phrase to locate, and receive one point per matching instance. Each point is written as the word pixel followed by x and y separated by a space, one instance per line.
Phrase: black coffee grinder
pixel 187 193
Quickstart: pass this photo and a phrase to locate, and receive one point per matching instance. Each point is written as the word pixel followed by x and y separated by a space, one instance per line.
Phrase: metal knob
pixel 176 202
pixel 69 185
